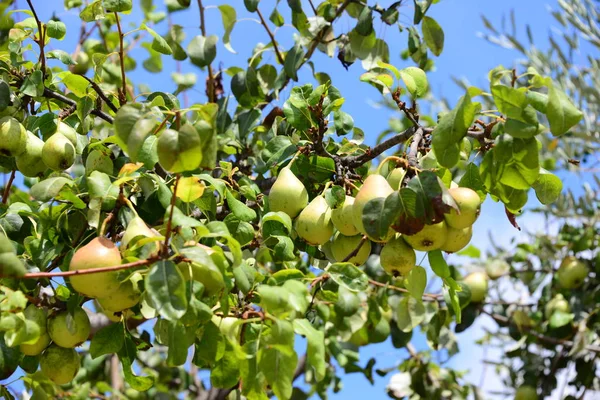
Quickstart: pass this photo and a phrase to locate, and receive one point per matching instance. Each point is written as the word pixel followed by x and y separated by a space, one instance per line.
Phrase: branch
pixel 51 94
pixel 264 23
pixel 357 161
pixel 41 40
pixel 414 148
pixel 8 186
pixel 170 220
pixel 300 368
pixel 426 296
pixel 211 78
pixel 101 94
pixel 123 91
pixel 356 250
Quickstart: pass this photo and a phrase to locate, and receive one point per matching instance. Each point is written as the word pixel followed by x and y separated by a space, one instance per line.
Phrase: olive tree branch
pixel 8 186
pixel 123 91
pixel 40 40
pixel 211 78
pixel 264 23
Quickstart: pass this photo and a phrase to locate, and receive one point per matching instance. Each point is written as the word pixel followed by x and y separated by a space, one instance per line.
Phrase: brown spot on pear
pixel 58 152
pixel 342 218
pixel 314 222
pixel 30 163
pixel 13 137
pixel 342 246
pixel 431 237
pixel 469 204
pixel 288 194
pixel 457 239
pixel 375 186
pixel 397 258
pixel 98 253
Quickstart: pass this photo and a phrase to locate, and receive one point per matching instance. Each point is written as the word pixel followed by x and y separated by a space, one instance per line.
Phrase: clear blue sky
pixel 465 55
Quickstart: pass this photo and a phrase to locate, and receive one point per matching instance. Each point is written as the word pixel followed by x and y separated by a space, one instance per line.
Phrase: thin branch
pixel 101 93
pixel 264 23
pixel 426 296
pixel 357 161
pixel 62 98
pixel 8 186
pixel 356 250
pixel 123 91
pixel 170 220
pixel 211 78
pixel 40 41
pixel 300 368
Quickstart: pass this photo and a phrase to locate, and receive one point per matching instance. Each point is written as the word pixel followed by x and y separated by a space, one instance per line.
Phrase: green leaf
pixel 49 188
pixel 364 26
pixel 522 130
pixel 343 122
pixel 348 275
pixel 409 313
pixel 33 84
pixel 229 17
pixel 433 35
pixel 415 80
pixel 159 43
pixel 335 197
pixel 117 5
pixel 56 29
pixel 92 12
pixel 180 151
pixel 438 264
pixel 166 287
pixel 362 45
pixel 316 346
pixel 279 363
pixel 547 187
pixel 293 61
pixel 251 5
pixel 179 341
pixel 225 372
pixel 61 55
pixel 276 18
pixel 202 51
pixel 107 340
pixel 416 281
pixel 239 209
pixel 127 356
pixel 562 114
pixel 560 318
pixel 190 189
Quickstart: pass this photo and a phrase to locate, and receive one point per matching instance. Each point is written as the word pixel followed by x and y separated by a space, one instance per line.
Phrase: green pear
pixel 478 284
pixel 227 325
pixel 396 177
pixel 98 161
pixel 59 364
pixel 58 152
pixel 497 268
pixel 457 239
pixel 38 316
pixel 37 347
pixel 100 252
pixel 288 194
pixel 68 132
pixel 314 222
pixel 469 204
pixel 526 392
pixel 342 246
pixel 127 296
pixel 13 137
pixel 431 237
pixel 375 186
pixel 83 63
pixel 379 332
pixel 557 303
pixel 397 258
pixel 68 330
pixel 137 227
pixel 30 163
pixel 572 272
pixel 342 218
pixel 179 151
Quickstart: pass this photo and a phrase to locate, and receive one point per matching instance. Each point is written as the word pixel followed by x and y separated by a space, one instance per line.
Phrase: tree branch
pixel 170 220
pixel 356 250
pixel 51 94
pixel 40 41
pixel 211 78
pixel 8 186
pixel 264 23
pixel 101 94
pixel 357 161
pixel 123 91
pixel 413 150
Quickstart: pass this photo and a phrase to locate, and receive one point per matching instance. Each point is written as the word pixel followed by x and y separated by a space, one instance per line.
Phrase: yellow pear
pixel 314 222
pixel 468 202
pixel 431 237
pixel 397 258
pixel 342 218
pixel 342 246
pixel 58 152
pixel 457 239
pixel 100 252
pixel 375 186
pixel 30 163
pixel 288 194
pixel 13 137
pixel 478 283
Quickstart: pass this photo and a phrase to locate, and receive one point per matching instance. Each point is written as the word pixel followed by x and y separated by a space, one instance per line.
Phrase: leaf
pixel 117 5
pixel 127 356
pixel 107 340
pixel 415 80
pixel 92 12
pixel 190 189
pixel 202 51
pixel 293 61
pixel 225 372
pixel 438 264
pixel 433 35
pixel 33 84
pixel 409 313
pixel 251 5
pixel 166 287
pixel 348 275
pixel 159 43
pixel 61 55
pixel 239 209
pixel 547 187
pixel 562 114
pixel 335 197
pixel 416 281
pixel 229 17
pixel 279 363
pixel 560 318
pixel 75 83
pixel 316 346
pixel 49 188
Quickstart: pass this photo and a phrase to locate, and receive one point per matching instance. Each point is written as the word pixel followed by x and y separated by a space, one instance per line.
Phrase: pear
pixel 457 239
pixel 30 163
pixel 431 237
pixel 397 258
pixel 100 252
pixel 314 222
pixel 497 268
pixel 137 227
pixel 83 63
pixel 468 202
pixel 526 392
pixel 98 161
pixel 39 317
pixel 127 296
pixel 557 303
pixel 59 364
pixel 288 194
pixel 227 325
pixel 375 186
pixel 572 272
pixel 37 347
pixel 478 283
pixel 58 152
pixel 13 137
pixel 68 330
pixel 342 218
pixel 68 132
pixel 342 246
pixel 396 177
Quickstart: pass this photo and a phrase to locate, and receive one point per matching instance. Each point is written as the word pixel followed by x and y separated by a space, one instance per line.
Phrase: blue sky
pixel 465 55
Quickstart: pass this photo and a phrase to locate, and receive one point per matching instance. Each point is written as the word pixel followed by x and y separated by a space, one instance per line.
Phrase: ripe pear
pixel 469 203
pixel 397 258
pixel 557 303
pixel 314 222
pixel 288 194
pixel 396 177
pixel 431 237
pixel 68 330
pixel 98 161
pixel 375 186
pixel 342 218
pixel 13 137
pixel 572 272
pixel 342 246
pixel 127 296
pixel 457 239
pixel 526 392
pixel 478 284
pixel 59 364
pixel 58 152
pixel 100 252
pixel 30 163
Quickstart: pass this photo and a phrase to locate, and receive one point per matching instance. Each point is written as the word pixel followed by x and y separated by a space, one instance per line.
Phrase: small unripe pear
pixel 396 177
pixel 58 152
pixel 557 303
pixel 30 163
pixel 127 296
pixel 431 237
pixel 342 218
pixel 59 364
pixel 98 161
pixel 397 258
pixel 38 316
pixel 526 392
pixel 457 239
pixel 68 330
pixel 572 272
pixel 314 222
pixel 469 203
pixel 227 325
pixel 83 63
pixel 288 194
pixel 100 252
pixel 478 283
pixel 375 186
pixel 342 246
pixel 13 137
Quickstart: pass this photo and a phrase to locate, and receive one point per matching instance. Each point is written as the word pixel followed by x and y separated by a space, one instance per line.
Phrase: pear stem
pixel 327 185
pixel 293 159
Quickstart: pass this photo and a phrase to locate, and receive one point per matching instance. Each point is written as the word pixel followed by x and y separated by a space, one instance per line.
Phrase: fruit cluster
pixel 341 232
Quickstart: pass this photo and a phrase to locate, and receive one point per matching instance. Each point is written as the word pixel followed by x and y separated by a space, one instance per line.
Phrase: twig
pixel 123 91
pixel 426 296
pixel 356 250
pixel 414 148
pixel 357 161
pixel 300 368
pixel 8 186
pixel 101 94
pixel 40 41
pixel 62 98
pixel 264 23
pixel 170 220
pixel 211 78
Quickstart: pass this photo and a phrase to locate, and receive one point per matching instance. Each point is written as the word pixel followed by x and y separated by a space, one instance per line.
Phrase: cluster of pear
pixel 60 333
pixel 32 155
pixel 339 231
